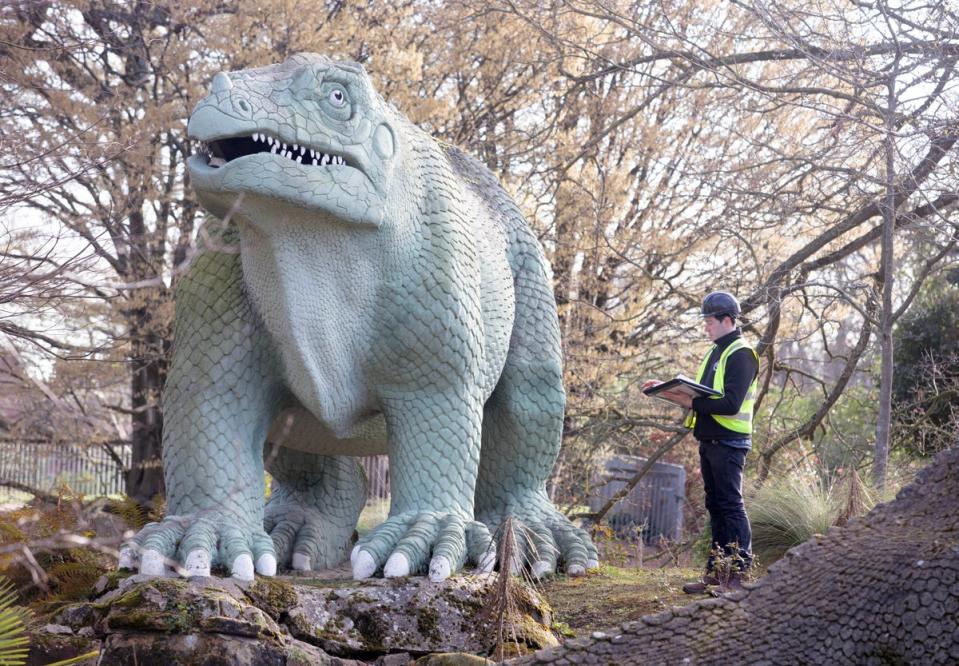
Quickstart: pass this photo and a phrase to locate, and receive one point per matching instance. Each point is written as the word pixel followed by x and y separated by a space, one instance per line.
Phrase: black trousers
pixel 722 466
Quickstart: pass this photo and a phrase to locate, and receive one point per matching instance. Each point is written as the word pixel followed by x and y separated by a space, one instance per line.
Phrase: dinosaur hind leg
pixel 521 435
pixel 313 507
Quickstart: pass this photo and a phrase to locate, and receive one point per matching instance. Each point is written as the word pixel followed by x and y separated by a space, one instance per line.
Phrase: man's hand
pixel 680 398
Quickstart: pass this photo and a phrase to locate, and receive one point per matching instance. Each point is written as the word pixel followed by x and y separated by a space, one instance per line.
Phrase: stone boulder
pixel 290 621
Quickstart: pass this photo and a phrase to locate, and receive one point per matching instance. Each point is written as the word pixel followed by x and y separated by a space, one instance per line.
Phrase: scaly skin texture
pixel 884 589
pixel 388 299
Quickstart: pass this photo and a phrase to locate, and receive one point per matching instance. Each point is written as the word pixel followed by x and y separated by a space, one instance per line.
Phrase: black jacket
pixel 741 370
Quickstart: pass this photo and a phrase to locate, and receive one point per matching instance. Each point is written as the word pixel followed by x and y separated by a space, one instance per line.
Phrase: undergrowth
pixel 47 568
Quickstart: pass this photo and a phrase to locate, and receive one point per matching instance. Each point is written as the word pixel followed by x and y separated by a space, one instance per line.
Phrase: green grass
pixel 609 596
pixel 372 515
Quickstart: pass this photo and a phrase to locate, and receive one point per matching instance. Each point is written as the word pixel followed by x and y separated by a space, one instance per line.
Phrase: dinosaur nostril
pixel 383 141
pixel 244 106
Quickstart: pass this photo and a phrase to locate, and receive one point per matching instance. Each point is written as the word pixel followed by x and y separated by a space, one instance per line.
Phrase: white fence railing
pixel 48 466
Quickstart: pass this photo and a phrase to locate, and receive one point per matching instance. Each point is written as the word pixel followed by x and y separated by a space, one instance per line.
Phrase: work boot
pixel 702 585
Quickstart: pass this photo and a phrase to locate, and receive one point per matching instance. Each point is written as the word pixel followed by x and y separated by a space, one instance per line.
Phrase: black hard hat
pixel 719 303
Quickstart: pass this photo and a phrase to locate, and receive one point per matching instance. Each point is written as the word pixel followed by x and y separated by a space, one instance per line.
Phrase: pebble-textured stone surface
pixel 362 289
pixel 288 621
pixel 882 590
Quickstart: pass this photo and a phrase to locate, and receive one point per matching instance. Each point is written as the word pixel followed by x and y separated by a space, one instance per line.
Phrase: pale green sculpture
pixel 360 289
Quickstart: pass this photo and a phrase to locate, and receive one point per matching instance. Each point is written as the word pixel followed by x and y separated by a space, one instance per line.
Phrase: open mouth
pixel 221 151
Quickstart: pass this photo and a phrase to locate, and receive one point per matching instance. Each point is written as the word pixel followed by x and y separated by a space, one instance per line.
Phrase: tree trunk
pixel 147 331
pixel 144 480
pixel 888 261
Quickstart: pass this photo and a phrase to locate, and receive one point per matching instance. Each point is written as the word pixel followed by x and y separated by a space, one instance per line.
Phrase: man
pixel 723 427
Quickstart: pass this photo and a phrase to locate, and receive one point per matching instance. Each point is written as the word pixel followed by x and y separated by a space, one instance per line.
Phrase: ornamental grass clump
pixel 790 511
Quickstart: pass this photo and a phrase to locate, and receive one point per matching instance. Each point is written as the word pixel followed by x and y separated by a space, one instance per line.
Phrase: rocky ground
pixel 289 621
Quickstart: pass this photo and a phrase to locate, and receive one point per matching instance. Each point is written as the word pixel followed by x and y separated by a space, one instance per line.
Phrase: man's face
pixel 717 328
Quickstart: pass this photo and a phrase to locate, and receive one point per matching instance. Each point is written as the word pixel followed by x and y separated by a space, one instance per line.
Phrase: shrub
pixel 926 381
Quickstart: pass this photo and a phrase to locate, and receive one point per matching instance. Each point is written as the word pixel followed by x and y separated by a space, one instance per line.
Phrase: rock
pixel 47 648
pixel 452 659
pixel 290 621
pixel 195 649
pixel 77 616
pixel 412 615
pixel 401 659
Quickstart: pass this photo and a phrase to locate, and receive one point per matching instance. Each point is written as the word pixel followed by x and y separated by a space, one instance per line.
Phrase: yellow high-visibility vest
pixel 741 422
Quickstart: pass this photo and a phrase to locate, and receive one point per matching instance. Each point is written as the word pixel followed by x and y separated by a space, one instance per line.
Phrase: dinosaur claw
pixel 197 563
pixel 152 563
pixel 592 564
pixel 301 562
pixel 354 553
pixel 363 566
pixel 440 569
pixel 127 558
pixel 487 563
pixel 266 565
pixel 541 568
pixel 243 567
pixel 576 570
pixel 398 565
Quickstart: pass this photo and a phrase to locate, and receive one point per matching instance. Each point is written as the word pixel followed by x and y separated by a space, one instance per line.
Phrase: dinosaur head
pixel 309 132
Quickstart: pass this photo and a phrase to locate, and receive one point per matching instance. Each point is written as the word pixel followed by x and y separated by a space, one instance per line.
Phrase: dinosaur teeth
pixel 294 151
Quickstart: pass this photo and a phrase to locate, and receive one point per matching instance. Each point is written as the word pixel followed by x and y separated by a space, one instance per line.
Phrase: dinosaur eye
pixel 337 98
pixel 334 98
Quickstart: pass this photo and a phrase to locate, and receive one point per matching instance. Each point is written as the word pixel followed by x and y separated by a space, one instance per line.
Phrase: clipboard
pixel 683 384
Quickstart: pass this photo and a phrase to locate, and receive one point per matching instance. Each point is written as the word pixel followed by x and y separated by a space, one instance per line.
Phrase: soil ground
pixel 609 596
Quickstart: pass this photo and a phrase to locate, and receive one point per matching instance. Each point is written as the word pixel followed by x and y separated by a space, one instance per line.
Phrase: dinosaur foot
pixel 305 538
pixel 191 544
pixel 411 543
pixel 545 541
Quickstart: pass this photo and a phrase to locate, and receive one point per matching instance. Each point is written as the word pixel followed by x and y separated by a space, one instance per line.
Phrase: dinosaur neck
pixel 314 282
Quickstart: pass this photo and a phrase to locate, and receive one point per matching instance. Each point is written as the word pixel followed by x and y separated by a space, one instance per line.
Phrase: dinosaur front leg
pixel 434 441
pixel 220 397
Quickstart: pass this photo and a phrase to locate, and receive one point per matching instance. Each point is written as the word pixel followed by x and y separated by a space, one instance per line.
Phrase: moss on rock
pixel 272 595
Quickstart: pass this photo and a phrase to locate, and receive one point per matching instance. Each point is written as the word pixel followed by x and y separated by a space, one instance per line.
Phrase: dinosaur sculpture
pixel 359 289
pixel 882 590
